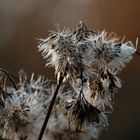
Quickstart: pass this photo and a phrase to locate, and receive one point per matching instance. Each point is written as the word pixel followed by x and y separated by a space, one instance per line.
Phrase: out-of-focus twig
pixel 9 77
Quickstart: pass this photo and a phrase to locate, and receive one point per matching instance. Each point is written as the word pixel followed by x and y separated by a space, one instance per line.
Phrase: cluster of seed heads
pixel 76 105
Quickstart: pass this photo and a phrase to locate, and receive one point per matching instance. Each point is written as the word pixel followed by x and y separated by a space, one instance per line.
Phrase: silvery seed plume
pixel 64 56
pixel 105 50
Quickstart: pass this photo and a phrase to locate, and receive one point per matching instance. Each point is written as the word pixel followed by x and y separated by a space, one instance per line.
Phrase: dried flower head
pixel 64 55
pixel 90 61
pixel 23 108
pixel 105 51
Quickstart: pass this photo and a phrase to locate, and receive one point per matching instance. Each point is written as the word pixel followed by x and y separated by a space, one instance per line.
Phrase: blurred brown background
pixel 21 21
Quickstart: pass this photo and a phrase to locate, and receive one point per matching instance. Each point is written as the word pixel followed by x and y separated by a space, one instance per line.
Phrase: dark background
pixel 21 21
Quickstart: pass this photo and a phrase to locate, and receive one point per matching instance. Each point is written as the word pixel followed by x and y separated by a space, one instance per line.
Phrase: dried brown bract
pixel 82 113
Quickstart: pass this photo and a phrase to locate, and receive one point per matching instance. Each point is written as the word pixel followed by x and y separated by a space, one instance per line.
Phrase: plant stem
pixel 50 109
pixel 10 78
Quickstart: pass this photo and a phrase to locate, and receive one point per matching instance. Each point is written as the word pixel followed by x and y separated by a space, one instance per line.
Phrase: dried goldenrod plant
pixel 76 105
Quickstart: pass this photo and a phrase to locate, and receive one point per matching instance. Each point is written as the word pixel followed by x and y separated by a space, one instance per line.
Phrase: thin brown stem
pixel 9 77
pixel 50 109
pixel 137 44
